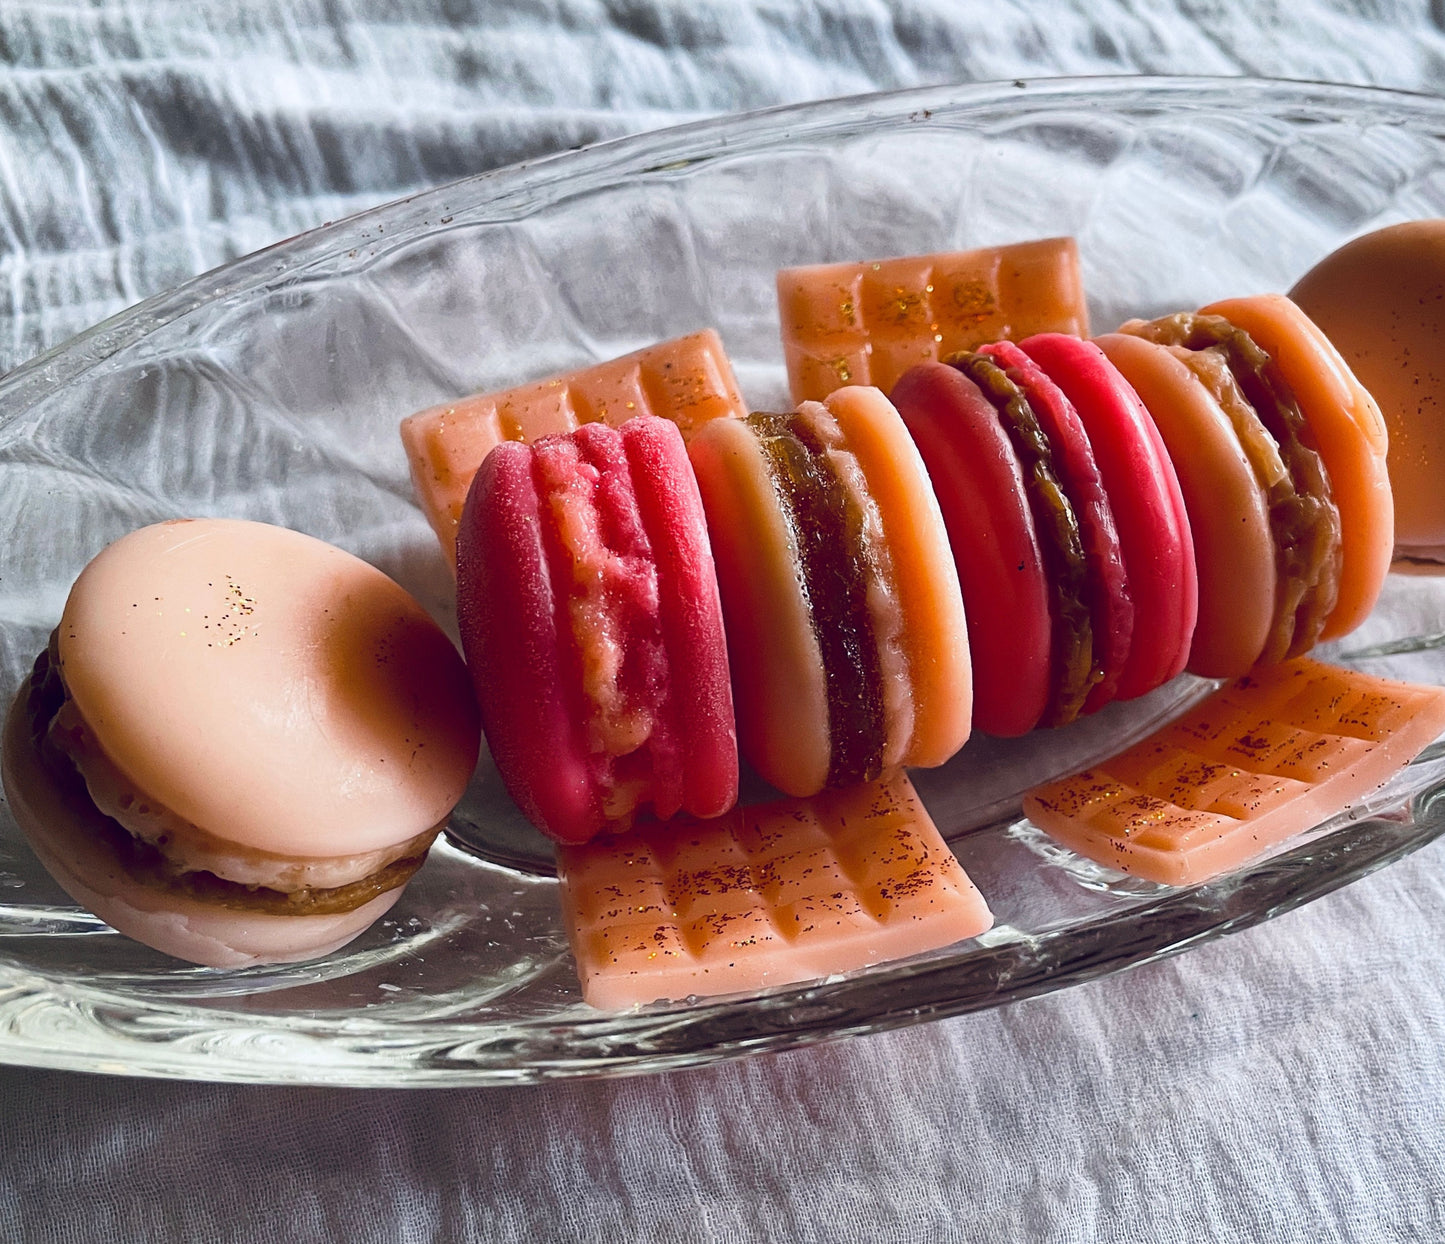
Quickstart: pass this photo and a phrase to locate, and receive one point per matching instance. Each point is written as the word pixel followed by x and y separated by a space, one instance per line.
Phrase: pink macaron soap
pixel 589 611
pixel 240 743
pixel 1148 507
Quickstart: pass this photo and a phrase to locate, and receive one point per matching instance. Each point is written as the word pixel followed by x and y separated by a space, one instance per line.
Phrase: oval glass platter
pixel 271 389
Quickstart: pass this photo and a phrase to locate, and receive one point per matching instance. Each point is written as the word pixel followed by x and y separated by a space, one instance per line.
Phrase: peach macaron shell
pixel 64 836
pixel 779 684
pixel 272 689
pixel 925 578
pixel 1351 437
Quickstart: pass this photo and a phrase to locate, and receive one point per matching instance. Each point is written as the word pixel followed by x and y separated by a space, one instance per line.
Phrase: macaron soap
pixel 983 498
pixel 1069 534
pixel 589 612
pixel 1143 489
pixel 1380 300
pixel 1282 457
pixel 844 617
pixel 1349 435
pixel 240 743
pixel 1243 382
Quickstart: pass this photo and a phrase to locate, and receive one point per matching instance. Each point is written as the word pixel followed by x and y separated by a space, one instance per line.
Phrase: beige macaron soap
pixel 240 743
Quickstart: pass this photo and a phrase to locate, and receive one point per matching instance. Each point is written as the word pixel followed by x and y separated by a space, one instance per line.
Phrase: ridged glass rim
pixel 165 1040
pixel 577 171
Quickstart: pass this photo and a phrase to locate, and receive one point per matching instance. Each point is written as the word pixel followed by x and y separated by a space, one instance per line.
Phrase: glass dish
pixel 271 389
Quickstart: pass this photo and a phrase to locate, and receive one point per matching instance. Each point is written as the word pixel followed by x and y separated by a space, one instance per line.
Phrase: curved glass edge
pixel 519 189
pixel 89 1032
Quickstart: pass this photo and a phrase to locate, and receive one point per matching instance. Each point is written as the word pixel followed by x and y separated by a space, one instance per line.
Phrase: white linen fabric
pixel 1287 1083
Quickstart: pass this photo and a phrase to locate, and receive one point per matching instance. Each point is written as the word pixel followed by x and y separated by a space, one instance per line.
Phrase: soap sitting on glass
pixel 868 323
pixel 766 895
pixel 687 380
pixel 1264 758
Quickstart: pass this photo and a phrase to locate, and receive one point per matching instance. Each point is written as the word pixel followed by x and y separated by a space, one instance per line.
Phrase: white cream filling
pixel 194 849
pixel 885 610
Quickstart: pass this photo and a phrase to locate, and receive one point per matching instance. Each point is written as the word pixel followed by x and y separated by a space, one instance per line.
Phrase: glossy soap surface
pixel 268 688
pixel 1377 298
pixel 216 400
pixel 1263 758
pixel 777 892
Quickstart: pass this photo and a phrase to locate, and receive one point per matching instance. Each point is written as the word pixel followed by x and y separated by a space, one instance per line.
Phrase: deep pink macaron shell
pixel 690 611
pixel 980 488
pixel 1143 491
pixel 525 679
pixel 630 496
pixel 1111 607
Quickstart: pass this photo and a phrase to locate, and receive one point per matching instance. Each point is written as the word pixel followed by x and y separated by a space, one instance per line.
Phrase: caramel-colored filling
pixel 885 608
pixel 150 864
pixel 1070 588
pixel 1303 518
pixel 834 569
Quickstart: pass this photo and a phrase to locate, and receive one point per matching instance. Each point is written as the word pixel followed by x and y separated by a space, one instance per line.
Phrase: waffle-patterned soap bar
pixel 868 323
pixel 1262 759
pixel 767 895
pixel 688 380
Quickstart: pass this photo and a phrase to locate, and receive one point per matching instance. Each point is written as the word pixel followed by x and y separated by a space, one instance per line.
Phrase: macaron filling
pixel 1111 607
pixel 605 585
pixel 883 590
pixel 836 562
pixel 1075 672
pixel 156 848
pixel 1278 443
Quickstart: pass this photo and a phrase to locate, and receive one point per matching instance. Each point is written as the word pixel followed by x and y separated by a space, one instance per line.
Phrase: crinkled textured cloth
pixel 1287 1083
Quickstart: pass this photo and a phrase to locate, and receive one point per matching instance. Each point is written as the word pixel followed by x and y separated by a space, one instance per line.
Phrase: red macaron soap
pixel 1143 489
pixel 983 498
pixel 1069 533
pixel 590 617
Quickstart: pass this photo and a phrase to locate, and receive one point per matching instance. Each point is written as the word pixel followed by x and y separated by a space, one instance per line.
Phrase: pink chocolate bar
pixel 868 323
pixel 765 895
pixel 1264 758
pixel 687 380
